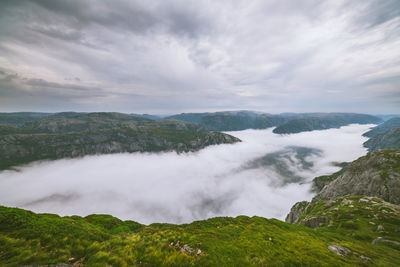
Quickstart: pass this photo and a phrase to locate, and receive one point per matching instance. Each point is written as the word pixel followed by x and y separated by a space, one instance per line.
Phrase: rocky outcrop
pixel 314 222
pixel 345 252
pixel 376 175
pixel 296 211
pixel 387 140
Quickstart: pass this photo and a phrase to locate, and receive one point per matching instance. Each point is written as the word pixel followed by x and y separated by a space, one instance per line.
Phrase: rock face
pixel 296 211
pixel 74 135
pixel 376 175
pixel 387 140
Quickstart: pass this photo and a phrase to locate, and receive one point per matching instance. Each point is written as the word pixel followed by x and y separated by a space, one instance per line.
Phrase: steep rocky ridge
pixel 376 174
pixel 386 140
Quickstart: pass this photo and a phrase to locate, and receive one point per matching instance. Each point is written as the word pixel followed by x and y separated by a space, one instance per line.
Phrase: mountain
pixel 285 122
pixel 232 120
pixel 321 121
pixel 387 140
pixel 376 174
pixel 350 236
pixel 19 118
pixel 68 135
pixel 384 127
pixel 147 116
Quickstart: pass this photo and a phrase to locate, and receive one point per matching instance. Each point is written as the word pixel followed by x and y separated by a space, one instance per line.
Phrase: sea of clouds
pixel 222 180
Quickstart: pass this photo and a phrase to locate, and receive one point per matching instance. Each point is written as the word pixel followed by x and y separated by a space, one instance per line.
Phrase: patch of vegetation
pixel 98 240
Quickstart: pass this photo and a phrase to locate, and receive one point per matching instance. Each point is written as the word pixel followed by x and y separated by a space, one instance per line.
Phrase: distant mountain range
pixel 30 137
pixel 286 123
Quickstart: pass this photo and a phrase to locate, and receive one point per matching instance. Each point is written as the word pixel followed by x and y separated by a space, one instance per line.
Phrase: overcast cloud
pixel 176 56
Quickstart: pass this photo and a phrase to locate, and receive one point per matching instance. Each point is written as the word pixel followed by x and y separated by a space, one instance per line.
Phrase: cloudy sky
pixel 177 56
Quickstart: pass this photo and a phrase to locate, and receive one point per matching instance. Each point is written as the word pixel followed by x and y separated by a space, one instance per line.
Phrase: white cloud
pixel 168 187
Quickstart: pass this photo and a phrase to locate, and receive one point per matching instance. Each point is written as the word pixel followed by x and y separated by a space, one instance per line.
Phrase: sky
pixel 166 57
pixel 263 175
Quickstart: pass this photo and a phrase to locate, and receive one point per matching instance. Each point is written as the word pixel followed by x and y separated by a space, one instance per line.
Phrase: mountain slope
pixel 387 140
pixel 376 174
pixel 68 135
pixel 384 127
pixel 321 121
pixel 285 122
pixel 100 240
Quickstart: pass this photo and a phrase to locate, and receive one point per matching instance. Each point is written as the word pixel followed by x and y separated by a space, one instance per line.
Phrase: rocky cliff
pixel 376 174
pixel 386 140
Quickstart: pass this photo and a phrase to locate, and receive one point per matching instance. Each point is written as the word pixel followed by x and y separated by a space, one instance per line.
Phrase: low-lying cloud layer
pixel 259 176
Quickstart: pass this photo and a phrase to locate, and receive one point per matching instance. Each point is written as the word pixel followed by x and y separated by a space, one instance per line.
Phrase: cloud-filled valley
pixel 264 175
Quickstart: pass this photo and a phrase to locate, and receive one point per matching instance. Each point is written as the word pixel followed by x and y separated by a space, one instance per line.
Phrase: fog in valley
pixel 264 175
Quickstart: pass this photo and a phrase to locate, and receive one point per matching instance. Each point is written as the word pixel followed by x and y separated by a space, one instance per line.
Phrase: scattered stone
pixel 380 228
pixel 339 250
pixel 381 239
pixel 187 249
pixel 362 256
pixel 345 252
pixel 347 201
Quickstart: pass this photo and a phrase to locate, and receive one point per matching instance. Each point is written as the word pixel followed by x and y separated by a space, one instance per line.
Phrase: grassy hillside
pixel 101 240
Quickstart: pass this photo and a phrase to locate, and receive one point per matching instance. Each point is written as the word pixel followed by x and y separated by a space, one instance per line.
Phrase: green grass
pixel 98 240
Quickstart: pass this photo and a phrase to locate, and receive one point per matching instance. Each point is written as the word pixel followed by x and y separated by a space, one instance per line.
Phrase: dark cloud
pixel 173 56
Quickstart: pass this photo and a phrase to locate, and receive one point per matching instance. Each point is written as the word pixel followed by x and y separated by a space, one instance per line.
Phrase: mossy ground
pixel 98 240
